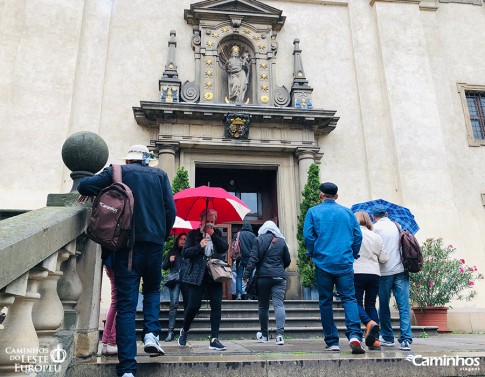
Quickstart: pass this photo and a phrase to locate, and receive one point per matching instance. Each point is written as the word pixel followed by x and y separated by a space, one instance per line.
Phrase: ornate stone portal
pixel 234 113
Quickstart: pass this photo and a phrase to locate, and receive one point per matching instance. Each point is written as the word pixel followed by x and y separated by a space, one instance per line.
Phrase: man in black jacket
pixel 154 215
pixel 246 239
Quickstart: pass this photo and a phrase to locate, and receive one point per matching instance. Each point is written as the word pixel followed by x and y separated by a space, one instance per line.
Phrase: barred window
pixel 476 108
pixel 473 102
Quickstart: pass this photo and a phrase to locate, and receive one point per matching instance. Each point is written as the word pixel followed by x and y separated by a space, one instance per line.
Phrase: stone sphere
pixel 85 151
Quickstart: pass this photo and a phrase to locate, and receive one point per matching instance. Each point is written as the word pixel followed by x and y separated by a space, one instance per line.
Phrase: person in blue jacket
pixel 333 237
pixel 154 215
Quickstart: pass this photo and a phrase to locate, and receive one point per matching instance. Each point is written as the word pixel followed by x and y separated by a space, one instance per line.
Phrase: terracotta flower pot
pixel 432 316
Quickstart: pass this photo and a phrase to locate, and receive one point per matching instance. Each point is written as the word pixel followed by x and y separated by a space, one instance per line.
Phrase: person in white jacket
pixel 366 279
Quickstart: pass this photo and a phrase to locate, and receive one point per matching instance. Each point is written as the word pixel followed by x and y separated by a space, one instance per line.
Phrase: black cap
pixel 329 188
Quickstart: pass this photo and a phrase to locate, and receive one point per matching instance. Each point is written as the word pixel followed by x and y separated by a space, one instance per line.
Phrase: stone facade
pixel 383 77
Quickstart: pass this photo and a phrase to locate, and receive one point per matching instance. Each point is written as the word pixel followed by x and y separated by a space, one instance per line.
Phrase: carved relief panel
pixel 234 47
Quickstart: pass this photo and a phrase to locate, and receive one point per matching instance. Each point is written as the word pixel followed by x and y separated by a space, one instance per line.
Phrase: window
pixel 473 102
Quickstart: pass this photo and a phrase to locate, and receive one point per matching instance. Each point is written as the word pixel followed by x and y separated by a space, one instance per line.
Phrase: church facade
pixel 387 96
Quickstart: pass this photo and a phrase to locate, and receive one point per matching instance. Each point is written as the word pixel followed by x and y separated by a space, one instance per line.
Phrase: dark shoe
pixel 216 345
pixel 375 347
pixel 371 333
pixel 356 346
pixel 170 336
pixel 182 338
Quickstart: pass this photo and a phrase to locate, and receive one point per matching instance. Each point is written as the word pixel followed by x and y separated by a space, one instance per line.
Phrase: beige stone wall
pixel 390 69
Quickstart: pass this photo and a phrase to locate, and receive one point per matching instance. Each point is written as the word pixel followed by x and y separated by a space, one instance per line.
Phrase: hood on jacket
pixel 247 226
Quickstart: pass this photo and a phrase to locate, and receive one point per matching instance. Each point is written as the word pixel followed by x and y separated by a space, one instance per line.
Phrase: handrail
pixel 28 239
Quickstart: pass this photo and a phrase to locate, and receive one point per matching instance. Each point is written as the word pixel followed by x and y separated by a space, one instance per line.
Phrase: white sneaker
pixel 356 346
pixel 128 375
pixel 385 343
pixel 261 338
pixel 279 340
pixel 152 344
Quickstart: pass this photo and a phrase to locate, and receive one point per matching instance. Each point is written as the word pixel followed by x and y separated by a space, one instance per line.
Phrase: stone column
pixel 48 313
pixel 19 331
pixel 69 286
pixel 306 157
pixel 166 156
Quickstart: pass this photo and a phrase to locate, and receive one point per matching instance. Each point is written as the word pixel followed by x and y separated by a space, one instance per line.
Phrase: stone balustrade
pixel 40 287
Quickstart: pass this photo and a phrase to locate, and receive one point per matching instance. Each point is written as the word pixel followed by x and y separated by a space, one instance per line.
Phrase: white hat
pixel 141 153
pixel 136 152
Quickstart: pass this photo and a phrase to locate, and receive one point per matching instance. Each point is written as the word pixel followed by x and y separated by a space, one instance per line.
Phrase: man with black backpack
pixel 246 240
pixel 393 278
pixel 154 215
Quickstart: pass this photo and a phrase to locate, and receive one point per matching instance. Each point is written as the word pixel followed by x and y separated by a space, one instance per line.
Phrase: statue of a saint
pixel 237 69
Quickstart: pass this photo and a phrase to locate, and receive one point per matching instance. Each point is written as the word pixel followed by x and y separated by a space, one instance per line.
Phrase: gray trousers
pixel 275 288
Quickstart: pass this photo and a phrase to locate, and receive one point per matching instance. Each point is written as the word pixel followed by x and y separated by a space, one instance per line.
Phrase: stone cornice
pixel 152 114
pixel 372 2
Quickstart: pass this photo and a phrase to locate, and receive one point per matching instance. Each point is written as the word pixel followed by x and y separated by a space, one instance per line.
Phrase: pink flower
pixel 450 246
pixel 431 283
pixel 462 270
pixel 470 269
pixel 475 268
pixel 471 283
pixel 462 261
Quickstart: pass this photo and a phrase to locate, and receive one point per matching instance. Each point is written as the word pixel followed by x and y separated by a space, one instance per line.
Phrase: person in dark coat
pixel 154 215
pixel 173 261
pixel 270 257
pixel 246 239
pixel 202 244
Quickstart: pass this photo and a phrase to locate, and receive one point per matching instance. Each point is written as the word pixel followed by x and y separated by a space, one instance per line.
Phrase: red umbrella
pixel 181 226
pixel 192 201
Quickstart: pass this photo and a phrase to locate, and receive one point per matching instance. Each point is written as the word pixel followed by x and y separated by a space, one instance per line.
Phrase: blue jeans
pixel 367 284
pixel 146 264
pixel 399 285
pixel 174 303
pixel 239 276
pixel 345 288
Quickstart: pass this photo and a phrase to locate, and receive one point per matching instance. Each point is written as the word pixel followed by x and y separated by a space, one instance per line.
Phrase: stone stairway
pixel 240 320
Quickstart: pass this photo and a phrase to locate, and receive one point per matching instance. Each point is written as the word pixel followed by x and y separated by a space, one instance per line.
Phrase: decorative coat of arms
pixel 237 126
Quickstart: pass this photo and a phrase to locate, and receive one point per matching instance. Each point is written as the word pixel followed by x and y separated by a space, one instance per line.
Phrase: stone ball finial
pixel 84 153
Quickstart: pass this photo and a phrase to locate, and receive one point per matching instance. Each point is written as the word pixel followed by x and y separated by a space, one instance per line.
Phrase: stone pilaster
pixel 166 158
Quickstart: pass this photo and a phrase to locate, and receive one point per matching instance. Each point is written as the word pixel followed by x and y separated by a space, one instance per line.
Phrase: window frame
pixel 462 89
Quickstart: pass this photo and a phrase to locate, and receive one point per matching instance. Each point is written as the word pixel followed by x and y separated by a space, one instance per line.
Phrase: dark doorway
pixel 255 187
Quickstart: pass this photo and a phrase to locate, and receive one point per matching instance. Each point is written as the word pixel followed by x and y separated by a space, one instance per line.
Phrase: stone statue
pixel 238 69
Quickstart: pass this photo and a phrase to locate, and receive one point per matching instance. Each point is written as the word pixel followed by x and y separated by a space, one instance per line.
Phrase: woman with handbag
pixel 202 244
pixel 173 261
pixel 270 257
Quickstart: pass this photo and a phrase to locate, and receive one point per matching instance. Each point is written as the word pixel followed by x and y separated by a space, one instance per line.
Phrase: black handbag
pixel 252 285
pixel 171 279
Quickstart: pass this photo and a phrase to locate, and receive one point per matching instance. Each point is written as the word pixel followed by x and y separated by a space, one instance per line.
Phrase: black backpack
pixel 411 254
pixel 111 222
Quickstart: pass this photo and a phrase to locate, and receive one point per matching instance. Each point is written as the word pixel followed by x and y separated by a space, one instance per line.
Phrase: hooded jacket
pixel 246 237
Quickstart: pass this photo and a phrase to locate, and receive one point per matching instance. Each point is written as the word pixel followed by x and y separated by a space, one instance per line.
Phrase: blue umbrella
pixel 395 212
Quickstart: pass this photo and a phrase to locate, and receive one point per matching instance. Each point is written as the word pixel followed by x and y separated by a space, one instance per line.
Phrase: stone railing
pixel 50 276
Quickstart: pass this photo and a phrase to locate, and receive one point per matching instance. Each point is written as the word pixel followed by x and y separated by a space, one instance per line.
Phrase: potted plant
pixel 442 279
pixel 310 194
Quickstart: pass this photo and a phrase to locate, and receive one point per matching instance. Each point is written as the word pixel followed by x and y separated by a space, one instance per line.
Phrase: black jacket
pixel 195 263
pixel 154 205
pixel 246 237
pixel 275 260
pixel 177 263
